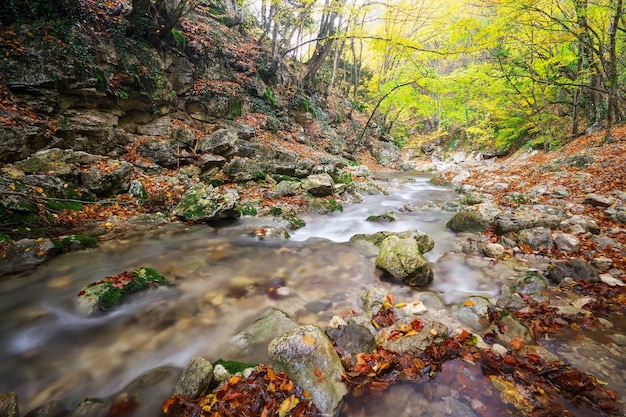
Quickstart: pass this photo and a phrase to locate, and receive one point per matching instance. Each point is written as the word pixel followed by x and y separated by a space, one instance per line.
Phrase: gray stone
pixel 196 377
pixel 372 300
pixel 575 269
pixel 579 224
pixel 509 329
pixel 402 259
pixel 159 151
pixel 598 200
pixel 221 142
pixel 259 333
pixel 567 242
pixel 203 203
pixel 536 238
pixel 309 358
pixel 468 220
pixel 473 312
pixel 208 161
pixel 107 181
pixel 602 263
pixel 412 342
pixel 520 220
pixel 354 337
pixel 26 254
pixel 532 285
pixel 20 141
pixel 319 185
pixel 424 241
pixel 57 161
pixel 494 250
pixel 288 188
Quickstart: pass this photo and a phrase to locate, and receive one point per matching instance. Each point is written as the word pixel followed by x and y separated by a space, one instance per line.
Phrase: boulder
pixel 319 185
pixel 288 188
pixel 511 332
pixel 473 313
pixel 56 161
pixel 196 377
pixel 159 151
pixel 208 161
pixel 424 241
pixel 353 337
pixel 204 203
pixel 221 142
pixel 494 250
pixel 536 238
pixel 575 269
pixel 567 242
pixel 468 220
pixel 579 224
pixel 26 254
pixel 372 300
pixel 521 219
pixel 401 258
pixel 107 179
pixel 111 291
pixel 598 200
pixel 259 333
pixel 309 358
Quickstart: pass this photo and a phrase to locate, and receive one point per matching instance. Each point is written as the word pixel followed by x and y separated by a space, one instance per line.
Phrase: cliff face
pixel 92 107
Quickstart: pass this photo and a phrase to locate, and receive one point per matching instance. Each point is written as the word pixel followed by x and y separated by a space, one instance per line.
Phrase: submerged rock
pixel 111 291
pixel 308 357
pixel 196 378
pixel 26 254
pixel 8 404
pixel 468 220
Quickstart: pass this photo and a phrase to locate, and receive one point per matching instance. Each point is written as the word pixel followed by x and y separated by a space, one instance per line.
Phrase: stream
pixel 223 281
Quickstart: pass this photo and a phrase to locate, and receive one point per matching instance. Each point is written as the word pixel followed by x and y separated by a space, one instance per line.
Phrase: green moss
pixel 74 242
pixel 234 367
pixel 110 291
pixel 382 218
pixel 247 210
pixel 59 205
pixel 276 211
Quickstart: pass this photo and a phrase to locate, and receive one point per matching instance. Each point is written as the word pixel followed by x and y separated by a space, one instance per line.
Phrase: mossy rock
pixel 111 291
pixel 74 242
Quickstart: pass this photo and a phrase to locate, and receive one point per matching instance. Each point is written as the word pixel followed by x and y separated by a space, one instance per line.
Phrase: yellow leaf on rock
pixel 468 303
pixel 287 405
pixel 308 340
pixel 433 332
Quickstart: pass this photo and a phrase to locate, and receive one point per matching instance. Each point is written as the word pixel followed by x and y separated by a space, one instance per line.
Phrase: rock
pixel 532 285
pixel 203 203
pixel 386 153
pixel 575 269
pixel 49 409
pixel 473 312
pixel 91 407
pixel 107 180
pixel 57 161
pixel 159 151
pixel 26 254
pixel 511 331
pixel 93 131
pixel 468 220
pixel 386 217
pixel 567 242
pixel 243 130
pixel 598 200
pixel 520 220
pixel 579 224
pixel 307 356
pixel 416 343
pixel 288 188
pixel 196 377
pixel 355 336
pixel 536 238
pixel 111 291
pixel 602 263
pixel 319 185
pixel 221 142
pixel 145 393
pixel 243 169
pixel 372 300
pixel 424 241
pixel 494 250
pixel 208 161
pixel 20 141
pixel 259 333
pixel 8 405
pixel 401 258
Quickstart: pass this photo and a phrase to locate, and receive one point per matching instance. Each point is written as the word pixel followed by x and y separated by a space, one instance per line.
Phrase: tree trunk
pixel 612 72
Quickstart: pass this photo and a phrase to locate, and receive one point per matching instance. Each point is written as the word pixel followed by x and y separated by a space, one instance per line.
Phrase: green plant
pixel 247 210
pixel 276 211
pixel 270 97
pixel 179 38
pixel 333 205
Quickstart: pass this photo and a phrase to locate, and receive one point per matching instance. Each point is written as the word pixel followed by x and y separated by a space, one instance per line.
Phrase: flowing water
pixel 223 280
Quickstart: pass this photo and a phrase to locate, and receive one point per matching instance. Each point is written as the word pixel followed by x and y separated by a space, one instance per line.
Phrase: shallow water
pixel 223 281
